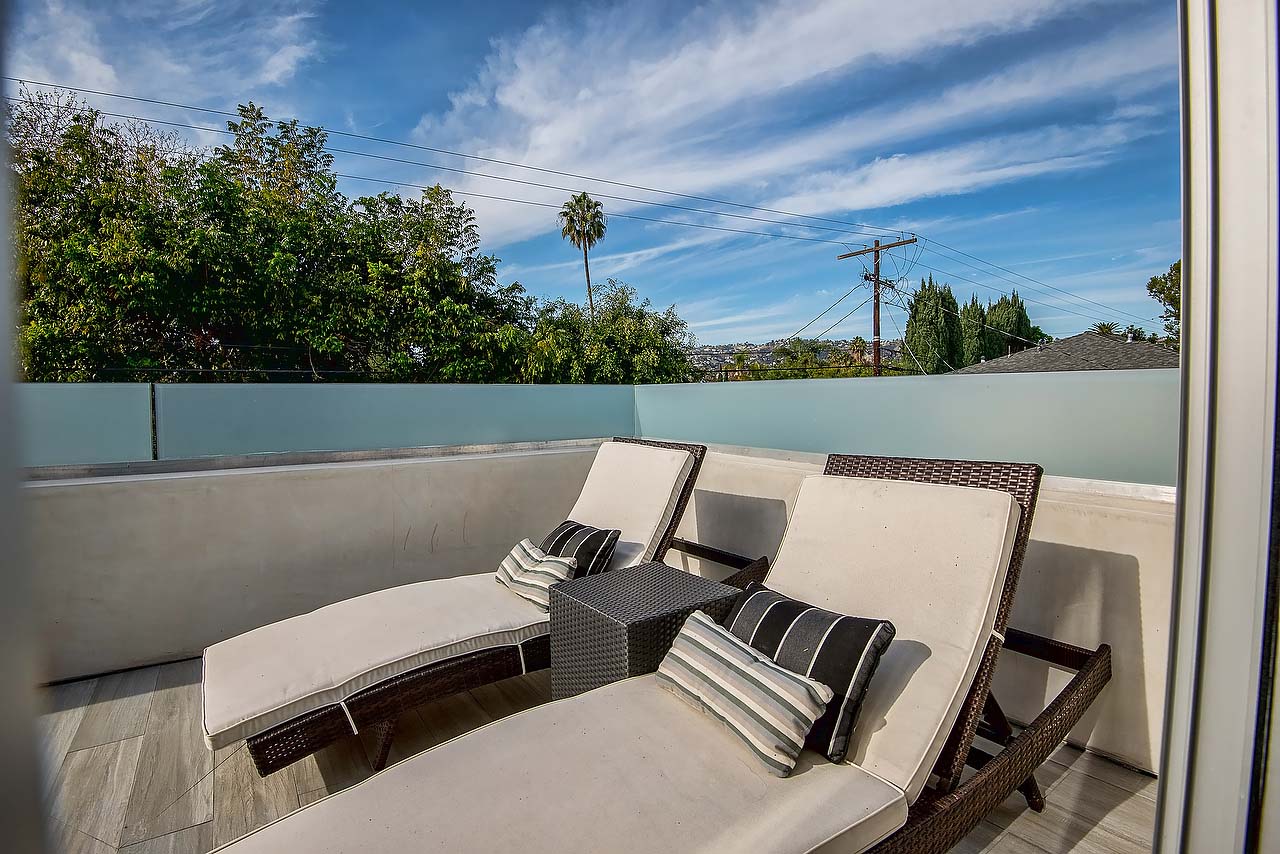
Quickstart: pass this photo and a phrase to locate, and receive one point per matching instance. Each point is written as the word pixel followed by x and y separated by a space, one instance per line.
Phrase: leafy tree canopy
pixel 142 258
pixel 1166 289
pixel 934 335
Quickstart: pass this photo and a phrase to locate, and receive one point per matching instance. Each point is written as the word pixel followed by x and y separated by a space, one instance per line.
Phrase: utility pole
pixel 875 285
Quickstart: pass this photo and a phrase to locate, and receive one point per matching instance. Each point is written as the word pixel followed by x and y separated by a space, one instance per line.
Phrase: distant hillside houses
pixel 716 356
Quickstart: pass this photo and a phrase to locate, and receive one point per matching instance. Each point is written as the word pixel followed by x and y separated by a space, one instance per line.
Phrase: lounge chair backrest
pixel 637 488
pixel 930 558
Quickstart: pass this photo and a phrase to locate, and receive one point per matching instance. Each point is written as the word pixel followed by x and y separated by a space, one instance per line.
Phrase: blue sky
pixel 1041 135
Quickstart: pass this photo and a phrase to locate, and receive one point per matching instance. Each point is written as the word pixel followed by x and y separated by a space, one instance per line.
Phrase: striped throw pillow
pixel 834 649
pixel 591 547
pixel 770 708
pixel 529 572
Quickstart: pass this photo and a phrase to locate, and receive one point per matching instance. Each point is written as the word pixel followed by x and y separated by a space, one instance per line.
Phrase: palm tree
pixel 583 223
pixel 1104 328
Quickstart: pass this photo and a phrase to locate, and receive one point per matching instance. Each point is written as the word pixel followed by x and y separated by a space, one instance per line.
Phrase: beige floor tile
pixel 311 797
pixel 174 786
pixel 92 792
pixel 118 708
pixel 1104 769
pixel 68 840
pixel 332 769
pixel 191 840
pixel 514 695
pixel 65 706
pixel 435 723
pixel 243 801
pixel 980 840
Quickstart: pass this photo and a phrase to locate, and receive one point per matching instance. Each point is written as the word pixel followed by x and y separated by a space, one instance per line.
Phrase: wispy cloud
pixel 692 105
pixel 191 50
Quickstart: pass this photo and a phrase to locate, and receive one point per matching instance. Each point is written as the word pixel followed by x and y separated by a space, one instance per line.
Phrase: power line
pixel 905 343
pixel 578 176
pixel 929 266
pixel 470 194
pixel 493 197
pixel 1036 344
pixel 452 153
pixel 843 319
pixel 1112 309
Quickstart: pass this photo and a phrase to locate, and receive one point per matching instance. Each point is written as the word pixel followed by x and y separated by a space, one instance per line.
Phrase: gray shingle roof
pixel 1088 351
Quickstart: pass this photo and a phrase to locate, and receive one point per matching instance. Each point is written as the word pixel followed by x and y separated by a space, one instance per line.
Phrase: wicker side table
pixel 619 624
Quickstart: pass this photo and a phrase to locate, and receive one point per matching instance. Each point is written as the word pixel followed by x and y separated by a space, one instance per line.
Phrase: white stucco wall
pixel 136 570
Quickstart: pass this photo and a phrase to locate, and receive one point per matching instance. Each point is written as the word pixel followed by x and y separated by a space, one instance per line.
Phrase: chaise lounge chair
pixel 296 686
pixel 628 767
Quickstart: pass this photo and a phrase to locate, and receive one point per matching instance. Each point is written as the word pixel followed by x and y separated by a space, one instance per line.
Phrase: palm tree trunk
pixel 591 305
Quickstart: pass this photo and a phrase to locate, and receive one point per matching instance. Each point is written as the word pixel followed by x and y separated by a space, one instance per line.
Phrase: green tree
pixel 933 334
pixel 1009 328
pixel 973 331
pixel 1104 327
pixel 1166 289
pixel 583 223
pixel 858 350
pixel 1137 333
pixel 141 258
pixel 628 342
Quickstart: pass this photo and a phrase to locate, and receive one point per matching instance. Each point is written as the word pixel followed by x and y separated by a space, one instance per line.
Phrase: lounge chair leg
pixel 385 731
pixel 999 730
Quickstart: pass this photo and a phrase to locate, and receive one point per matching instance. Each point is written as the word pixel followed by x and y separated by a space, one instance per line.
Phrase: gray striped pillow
pixel 529 572
pixel 771 709
pixel 837 650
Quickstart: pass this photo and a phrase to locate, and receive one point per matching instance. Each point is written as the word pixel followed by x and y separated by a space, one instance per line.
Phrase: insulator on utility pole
pixel 875 291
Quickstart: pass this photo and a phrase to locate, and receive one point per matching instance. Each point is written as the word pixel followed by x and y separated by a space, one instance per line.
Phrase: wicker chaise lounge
pixel 296 686
pixel 629 768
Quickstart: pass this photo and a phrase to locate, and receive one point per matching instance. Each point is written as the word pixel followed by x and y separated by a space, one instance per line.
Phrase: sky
pixel 1037 135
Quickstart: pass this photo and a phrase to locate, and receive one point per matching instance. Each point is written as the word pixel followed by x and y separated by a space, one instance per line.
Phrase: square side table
pixel 619 624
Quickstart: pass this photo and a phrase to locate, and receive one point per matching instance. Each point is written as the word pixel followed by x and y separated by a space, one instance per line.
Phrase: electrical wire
pixel 577 176
pixel 1037 344
pixel 1030 279
pixel 452 153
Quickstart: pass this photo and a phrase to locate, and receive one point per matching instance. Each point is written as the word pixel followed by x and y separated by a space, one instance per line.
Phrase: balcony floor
pixel 129 771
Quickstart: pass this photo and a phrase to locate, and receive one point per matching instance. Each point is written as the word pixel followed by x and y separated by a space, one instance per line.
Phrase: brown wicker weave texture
pixel 939 821
pixel 1022 481
pixel 296 739
pixel 620 624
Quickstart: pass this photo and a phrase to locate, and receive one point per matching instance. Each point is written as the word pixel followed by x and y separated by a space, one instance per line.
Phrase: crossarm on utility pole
pixel 875 290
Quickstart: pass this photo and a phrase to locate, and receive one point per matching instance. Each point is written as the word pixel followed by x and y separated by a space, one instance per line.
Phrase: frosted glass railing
pixel 1108 425
pixel 81 423
pixel 198 420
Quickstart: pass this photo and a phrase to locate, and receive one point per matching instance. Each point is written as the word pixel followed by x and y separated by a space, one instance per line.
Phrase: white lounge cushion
pixel 273 674
pixel 625 768
pixel 931 559
pixel 634 488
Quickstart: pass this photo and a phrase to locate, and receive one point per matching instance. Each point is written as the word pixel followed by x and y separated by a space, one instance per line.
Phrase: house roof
pixel 1088 351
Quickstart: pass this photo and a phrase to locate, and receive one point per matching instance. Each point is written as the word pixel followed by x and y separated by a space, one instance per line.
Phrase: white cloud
pixel 902 178
pixel 693 105
pixel 197 51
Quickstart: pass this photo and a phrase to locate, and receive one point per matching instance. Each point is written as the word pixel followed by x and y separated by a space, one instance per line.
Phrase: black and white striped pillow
pixel 768 707
pixel 529 572
pixel 591 547
pixel 834 649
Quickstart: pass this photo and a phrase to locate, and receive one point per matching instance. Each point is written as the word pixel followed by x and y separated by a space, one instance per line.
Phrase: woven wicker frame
pixel 938 821
pixel 621 624
pixel 1022 481
pixel 378 706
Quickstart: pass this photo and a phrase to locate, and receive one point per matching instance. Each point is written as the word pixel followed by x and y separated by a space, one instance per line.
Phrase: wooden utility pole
pixel 875 285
